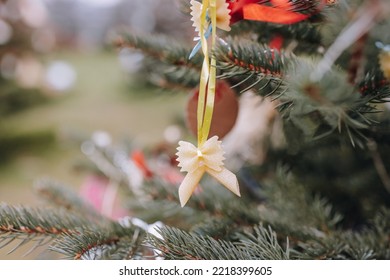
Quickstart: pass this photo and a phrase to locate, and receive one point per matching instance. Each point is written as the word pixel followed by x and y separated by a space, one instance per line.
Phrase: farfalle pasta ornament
pixel 206 158
pixel 207 16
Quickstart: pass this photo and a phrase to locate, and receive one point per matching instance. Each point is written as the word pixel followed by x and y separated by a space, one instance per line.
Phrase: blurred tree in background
pixel 309 145
pixel 23 41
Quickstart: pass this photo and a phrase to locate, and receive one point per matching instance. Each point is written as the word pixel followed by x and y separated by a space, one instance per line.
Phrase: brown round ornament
pixel 224 114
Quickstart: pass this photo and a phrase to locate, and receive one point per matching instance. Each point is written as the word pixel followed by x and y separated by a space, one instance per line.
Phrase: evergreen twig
pixel 39 225
pixel 178 244
pixel 114 242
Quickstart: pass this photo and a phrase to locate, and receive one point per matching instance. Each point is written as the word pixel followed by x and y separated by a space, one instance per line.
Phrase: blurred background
pixel 62 80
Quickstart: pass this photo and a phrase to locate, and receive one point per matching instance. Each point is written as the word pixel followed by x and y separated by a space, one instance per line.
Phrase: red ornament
pixel 278 11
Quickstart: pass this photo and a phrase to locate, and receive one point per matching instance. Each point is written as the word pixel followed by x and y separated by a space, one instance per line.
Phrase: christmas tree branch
pixel 303 37
pixel 254 64
pixel 40 225
pixel 371 242
pixel 295 212
pixel 374 88
pixel 178 244
pixel 169 76
pixel 38 221
pixel 318 109
pixel 210 198
pixel 250 56
pixel 161 48
pixel 113 242
pixel 264 245
pixel 167 60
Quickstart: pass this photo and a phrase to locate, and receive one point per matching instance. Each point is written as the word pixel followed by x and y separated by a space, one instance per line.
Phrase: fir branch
pixel 322 249
pixel 161 48
pixel 39 225
pixel 211 200
pixel 302 100
pixel 371 242
pixel 320 108
pixel 291 204
pixel 216 227
pixel 169 76
pixel 250 57
pixel 304 37
pixel 180 245
pixel 263 244
pixel 168 60
pixel 374 87
pixel 114 242
pixel 160 200
pixel 379 164
pixel 255 65
pixel 374 238
pixel 309 7
pixel 38 221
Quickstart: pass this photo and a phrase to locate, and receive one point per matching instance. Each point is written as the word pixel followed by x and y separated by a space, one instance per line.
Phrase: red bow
pixel 280 11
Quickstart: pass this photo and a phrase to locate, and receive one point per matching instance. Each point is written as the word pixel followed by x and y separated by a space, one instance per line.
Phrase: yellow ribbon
pixel 204 75
pixel 208 114
pixel 208 156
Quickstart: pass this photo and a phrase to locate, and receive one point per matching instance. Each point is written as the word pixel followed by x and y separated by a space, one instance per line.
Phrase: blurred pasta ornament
pixel 225 110
pixel 384 58
pixel 223 15
pixel 384 61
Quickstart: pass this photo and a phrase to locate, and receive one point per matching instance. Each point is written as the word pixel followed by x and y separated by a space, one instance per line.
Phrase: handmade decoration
pixel 384 58
pixel 207 16
pixel 384 61
pixel 207 157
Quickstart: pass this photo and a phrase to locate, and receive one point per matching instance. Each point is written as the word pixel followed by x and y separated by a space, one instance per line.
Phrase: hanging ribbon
pixel 208 156
pixel 204 120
